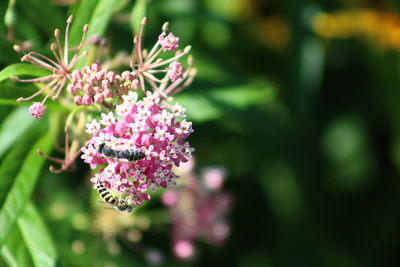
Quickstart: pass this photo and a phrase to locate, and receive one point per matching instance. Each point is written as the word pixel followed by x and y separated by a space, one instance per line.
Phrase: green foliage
pixel 22 69
pixel 24 182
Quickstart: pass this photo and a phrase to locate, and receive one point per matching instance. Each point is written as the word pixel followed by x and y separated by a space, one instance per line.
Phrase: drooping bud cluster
pixel 95 84
pixel 143 126
pixel 198 211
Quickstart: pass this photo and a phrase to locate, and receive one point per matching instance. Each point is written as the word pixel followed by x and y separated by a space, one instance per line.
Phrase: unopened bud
pixel 165 26
pixel 53 47
pixel 144 21
pixel 187 49
pixel 17 48
pixel 70 18
pixel 57 33
pixel 86 28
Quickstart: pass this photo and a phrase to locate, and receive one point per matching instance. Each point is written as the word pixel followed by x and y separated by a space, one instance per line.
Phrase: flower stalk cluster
pixel 60 68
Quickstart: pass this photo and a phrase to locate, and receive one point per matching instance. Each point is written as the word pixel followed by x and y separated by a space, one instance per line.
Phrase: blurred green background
pixel 298 100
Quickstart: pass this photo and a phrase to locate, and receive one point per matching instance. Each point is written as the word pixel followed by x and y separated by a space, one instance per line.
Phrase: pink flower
pixel 197 211
pixel 171 42
pixel 175 71
pixel 37 110
pixel 184 249
pixel 138 126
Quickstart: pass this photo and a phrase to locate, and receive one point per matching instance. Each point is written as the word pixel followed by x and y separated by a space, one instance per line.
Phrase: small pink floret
pixel 171 42
pixel 175 71
pixel 87 100
pixel 37 110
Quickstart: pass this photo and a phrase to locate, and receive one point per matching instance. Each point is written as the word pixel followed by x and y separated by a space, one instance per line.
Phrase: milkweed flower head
pixel 198 210
pixel 144 126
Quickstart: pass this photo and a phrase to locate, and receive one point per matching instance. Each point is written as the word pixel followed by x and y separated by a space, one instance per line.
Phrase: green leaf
pixel 14 125
pixel 212 104
pixel 25 181
pixel 10 166
pixel 43 14
pixel 137 14
pixel 99 21
pixel 14 252
pixel 22 69
pixel 81 17
pixel 37 237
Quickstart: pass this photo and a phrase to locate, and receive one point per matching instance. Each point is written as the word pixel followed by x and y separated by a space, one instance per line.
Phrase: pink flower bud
pixel 78 100
pixel 127 76
pixel 87 88
pixel 97 89
pixel 71 89
pixel 175 71
pixel 107 93
pixel 37 110
pixel 111 76
pixel 92 80
pixel 101 74
pixel 87 100
pixel 105 84
pixel 79 85
pixel 96 66
pixel 98 98
pixel 135 84
pixel 171 42
pixel 76 75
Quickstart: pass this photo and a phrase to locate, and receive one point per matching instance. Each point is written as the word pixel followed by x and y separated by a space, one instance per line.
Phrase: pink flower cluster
pixel 144 126
pixel 94 84
pixel 198 211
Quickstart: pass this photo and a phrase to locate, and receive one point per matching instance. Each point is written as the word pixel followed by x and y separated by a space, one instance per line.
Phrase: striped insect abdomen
pixel 104 194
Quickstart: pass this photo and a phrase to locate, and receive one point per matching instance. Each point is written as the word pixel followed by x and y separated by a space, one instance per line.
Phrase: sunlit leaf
pixel 22 69
pixel 25 181
pixel 137 14
pixel 43 14
pixel 15 124
pixel 81 17
pixel 14 252
pixel 8 256
pixel 13 160
pixel 99 20
pixel 37 237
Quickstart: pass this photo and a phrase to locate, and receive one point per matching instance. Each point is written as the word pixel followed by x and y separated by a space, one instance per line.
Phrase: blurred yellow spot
pixel 80 221
pixel 232 10
pixel 78 247
pixel 381 28
pixel 274 31
pixel 58 210
pixel 142 222
pixel 134 235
